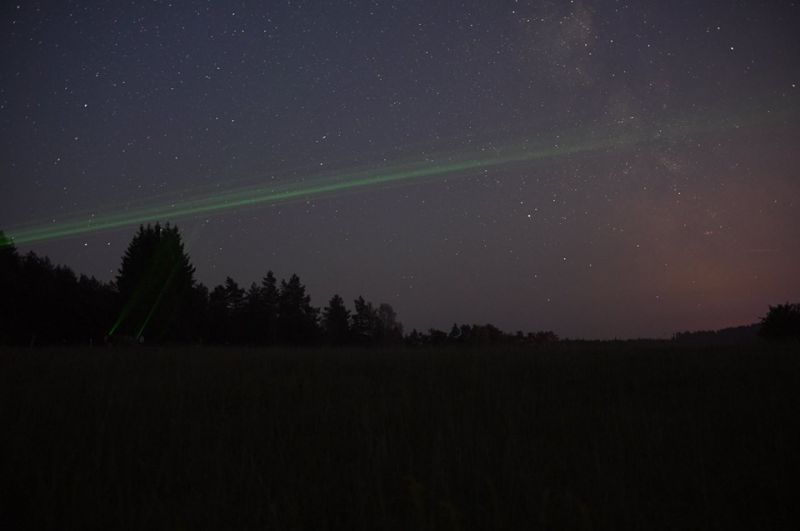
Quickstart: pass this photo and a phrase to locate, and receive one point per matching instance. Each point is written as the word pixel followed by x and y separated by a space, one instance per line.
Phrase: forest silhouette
pixel 156 299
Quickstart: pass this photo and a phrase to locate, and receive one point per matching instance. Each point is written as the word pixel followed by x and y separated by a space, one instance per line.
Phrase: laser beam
pixel 455 164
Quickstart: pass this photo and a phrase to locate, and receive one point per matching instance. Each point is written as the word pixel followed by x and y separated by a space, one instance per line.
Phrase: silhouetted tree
pixel 195 317
pixel 10 293
pixel 465 334
pixel 45 304
pixel 414 339
pixel 455 334
pixel 336 322
pixel 389 330
pixel 235 302
pixel 217 327
pixel 64 321
pixel 253 310
pixel 155 284
pixel 94 309
pixel 736 335
pixel 297 319
pixel 546 336
pixel 781 323
pixel 365 322
pixel 486 334
pixel 436 337
pixel 40 311
pixel 226 311
pixel 478 335
pixel 269 300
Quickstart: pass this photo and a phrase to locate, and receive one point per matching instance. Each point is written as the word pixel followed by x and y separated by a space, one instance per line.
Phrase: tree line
pixel 780 324
pixel 155 298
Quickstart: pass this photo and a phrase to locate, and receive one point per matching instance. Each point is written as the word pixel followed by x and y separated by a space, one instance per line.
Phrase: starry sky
pixel 599 168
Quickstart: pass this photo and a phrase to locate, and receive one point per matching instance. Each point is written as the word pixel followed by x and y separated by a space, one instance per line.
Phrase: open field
pixel 595 436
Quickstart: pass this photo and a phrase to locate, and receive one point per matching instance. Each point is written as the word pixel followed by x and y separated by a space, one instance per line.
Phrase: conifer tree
pixel 336 322
pixel 389 330
pixel 155 285
pixel 365 322
pixel 782 323
pixel 10 293
pixel 269 297
pixel 297 319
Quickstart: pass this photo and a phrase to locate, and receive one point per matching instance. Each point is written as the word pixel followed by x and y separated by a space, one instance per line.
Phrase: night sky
pixel 602 169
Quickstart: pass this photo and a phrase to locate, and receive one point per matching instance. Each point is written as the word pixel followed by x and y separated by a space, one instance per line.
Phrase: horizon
pixel 349 304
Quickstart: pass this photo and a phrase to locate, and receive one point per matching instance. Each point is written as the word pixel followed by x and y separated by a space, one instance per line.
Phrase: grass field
pixel 594 436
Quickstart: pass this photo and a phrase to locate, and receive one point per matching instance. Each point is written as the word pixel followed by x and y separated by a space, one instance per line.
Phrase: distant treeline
pixel 737 335
pixel 477 335
pixel 155 298
pixel 782 323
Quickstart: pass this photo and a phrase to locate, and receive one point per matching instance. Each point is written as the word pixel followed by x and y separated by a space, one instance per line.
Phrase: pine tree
pixel 10 292
pixel 297 319
pixel 389 330
pixel 336 321
pixel 155 285
pixel 365 322
pixel 269 299
pixel 94 309
pixel 235 308
pixel 781 323
pixel 36 306
pixel 227 309
pixel 234 297
pixel 217 328
pixel 253 310
pixel 455 334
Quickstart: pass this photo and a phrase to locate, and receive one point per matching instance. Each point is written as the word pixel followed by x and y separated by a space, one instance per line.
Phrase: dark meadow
pixel 569 436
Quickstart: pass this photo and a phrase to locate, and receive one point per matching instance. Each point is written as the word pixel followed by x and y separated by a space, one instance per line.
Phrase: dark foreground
pixel 572 437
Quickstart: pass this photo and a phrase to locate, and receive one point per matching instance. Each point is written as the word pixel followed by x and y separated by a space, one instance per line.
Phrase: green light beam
pixel 280 194
pixel 157 302
pixel 458 164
